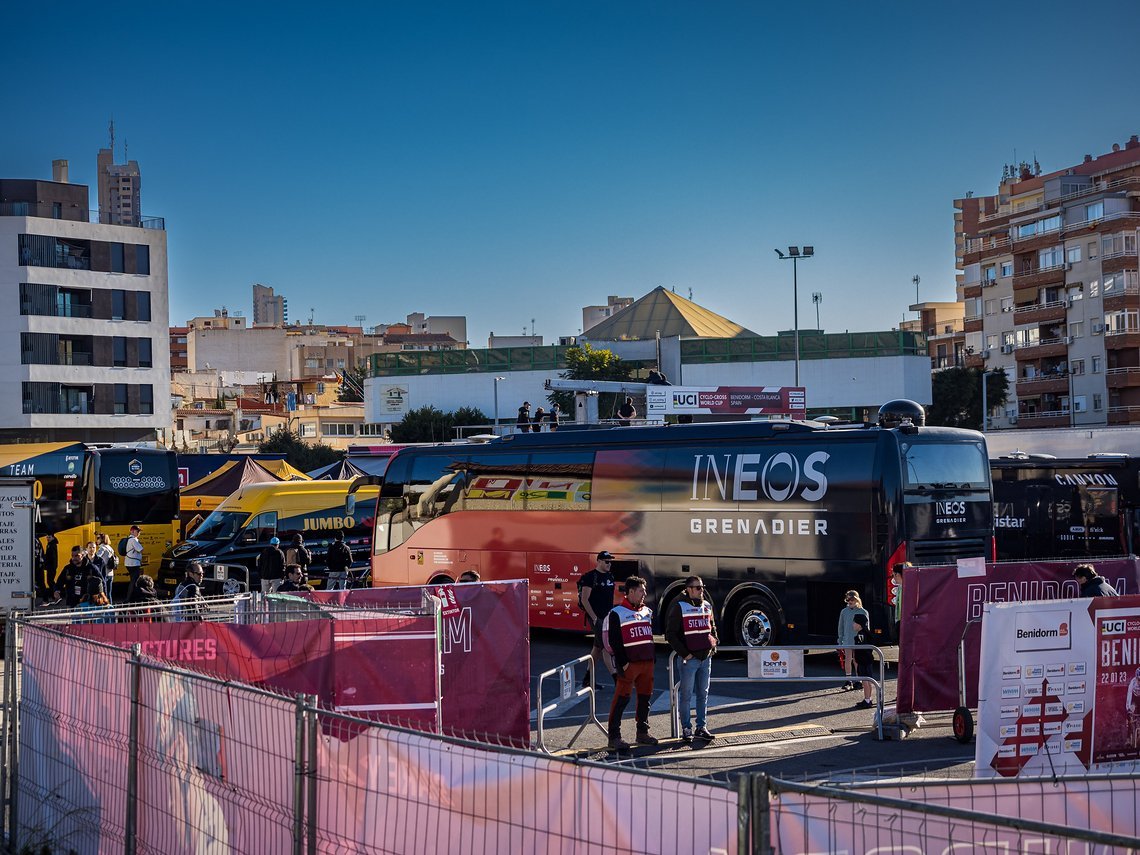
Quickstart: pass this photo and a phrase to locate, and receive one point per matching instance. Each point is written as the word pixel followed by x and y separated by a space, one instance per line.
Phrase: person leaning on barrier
pixel 294 580
pixel 690 629
pixel 629 631
pixel 189 604
pixel 1093 585
pixel 271 566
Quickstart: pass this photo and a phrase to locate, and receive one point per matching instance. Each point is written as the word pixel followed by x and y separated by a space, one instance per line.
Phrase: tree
pixel 589 363
pixel 427 424
pixel 298 453
pixel 957 394
pixel 347 392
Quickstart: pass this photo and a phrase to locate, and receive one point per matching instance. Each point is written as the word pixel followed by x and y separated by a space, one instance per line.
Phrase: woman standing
pixel 853 605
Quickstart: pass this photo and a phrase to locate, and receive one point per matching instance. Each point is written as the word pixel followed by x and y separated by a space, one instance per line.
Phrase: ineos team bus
pixel 778 518
pixel 1057 508
pixel 82 489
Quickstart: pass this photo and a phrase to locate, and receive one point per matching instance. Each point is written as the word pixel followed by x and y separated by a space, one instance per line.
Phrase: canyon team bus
pixel 777 518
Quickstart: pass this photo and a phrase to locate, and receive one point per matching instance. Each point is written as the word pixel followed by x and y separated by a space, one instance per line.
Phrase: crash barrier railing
pixel 161 759
pixel 568 689
pixel 761 652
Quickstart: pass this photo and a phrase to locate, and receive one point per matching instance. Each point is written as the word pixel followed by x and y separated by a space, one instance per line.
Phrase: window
pixel 1098 401
pixel 117 258
pixel 146 399
pixel 119 351
pixel 1073 254
pixel 1096 364
pixel 991 307
pixel 118 304
pixel 142 303
pixel 142 259
pixel 120 399
pixel 333 429
pixel 1094 211
pixel 1077 366
pixel 1077 329
pixel 145 356
pixel 1007 268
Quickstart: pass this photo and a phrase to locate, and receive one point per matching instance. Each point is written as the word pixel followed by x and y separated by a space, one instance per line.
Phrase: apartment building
pixel 83 318
pixel 1049 284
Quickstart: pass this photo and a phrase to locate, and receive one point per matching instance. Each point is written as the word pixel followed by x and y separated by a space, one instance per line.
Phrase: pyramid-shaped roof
pixel 668 313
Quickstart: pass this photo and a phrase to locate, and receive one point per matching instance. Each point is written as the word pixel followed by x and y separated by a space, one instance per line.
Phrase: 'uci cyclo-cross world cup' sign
pixel 790 401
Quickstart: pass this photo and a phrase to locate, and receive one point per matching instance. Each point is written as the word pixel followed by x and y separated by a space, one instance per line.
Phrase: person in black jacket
pixel 271 566
pixel 1093 585
pixel 338 560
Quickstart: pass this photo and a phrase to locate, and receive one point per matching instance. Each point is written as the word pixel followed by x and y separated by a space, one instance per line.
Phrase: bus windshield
pixel 934 465
pixel 220 525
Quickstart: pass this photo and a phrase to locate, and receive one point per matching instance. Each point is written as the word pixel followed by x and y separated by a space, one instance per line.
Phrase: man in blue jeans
pixel 690 629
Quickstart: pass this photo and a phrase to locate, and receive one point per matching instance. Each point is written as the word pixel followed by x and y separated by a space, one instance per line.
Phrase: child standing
pixel 864 659
pixel 854 606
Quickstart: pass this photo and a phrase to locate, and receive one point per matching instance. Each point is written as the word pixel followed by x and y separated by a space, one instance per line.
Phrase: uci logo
pixel 135 467
pixel 950 508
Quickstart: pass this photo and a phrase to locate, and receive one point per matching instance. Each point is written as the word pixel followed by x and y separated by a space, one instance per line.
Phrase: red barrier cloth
pixel 289 657
pixel 486 654
pixel 938 604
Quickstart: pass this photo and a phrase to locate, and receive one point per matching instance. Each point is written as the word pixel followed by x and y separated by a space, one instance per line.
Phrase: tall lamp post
pixel 794 255
pixel 497 379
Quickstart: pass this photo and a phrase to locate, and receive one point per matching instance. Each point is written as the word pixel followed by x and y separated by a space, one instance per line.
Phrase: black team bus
pixel 1066 508
pixel 778 518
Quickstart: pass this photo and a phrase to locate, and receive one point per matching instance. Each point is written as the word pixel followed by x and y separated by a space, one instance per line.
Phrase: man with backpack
pixel 596 598
pixel 338 560
pixel 629 637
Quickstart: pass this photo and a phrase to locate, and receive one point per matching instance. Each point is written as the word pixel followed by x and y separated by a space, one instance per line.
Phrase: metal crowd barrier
pixel 674 712
pixel 566 677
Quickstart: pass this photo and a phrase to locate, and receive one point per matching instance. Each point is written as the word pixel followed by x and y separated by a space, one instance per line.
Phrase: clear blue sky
pixel 510 161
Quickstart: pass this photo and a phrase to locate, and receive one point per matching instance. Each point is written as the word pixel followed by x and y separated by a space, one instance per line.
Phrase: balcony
pixel 1041 312
pixel 1040 277
pixel 1042 349
pixel 1031 387
pixel 1122 378
pixel 1044 419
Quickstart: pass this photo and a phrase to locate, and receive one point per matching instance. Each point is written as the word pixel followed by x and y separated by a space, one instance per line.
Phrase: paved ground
pixel 793 730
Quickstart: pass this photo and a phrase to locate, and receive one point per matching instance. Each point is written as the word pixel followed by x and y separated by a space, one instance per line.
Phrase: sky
pixel 514 162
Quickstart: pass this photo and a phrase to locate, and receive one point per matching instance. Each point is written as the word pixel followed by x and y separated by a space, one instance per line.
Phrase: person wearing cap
pixel 271 566
pixel 596 597
pixel 133 554
pixel 690 629
pixel 337 560
pixel 1093 585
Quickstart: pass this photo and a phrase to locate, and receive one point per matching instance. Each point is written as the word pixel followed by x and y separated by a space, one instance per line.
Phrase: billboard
pixel 726 400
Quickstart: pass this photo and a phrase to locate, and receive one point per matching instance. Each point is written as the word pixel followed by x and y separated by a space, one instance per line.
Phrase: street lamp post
pixel 795 256
pixel 497 379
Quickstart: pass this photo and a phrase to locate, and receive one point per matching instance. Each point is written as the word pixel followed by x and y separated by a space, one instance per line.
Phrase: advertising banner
pixel 940 604
pixel 1056 695
pixel 726 400
pixel 486 653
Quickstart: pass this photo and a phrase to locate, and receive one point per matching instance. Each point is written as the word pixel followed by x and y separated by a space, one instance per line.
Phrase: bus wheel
pixel 755 623
pixel 963 725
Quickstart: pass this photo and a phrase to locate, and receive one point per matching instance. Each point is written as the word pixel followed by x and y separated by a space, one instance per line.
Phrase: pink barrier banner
pixel 940 603
pixel 290 657
pixel 486 654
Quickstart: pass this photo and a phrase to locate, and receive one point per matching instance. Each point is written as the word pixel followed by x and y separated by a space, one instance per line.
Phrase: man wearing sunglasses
pixel 690 629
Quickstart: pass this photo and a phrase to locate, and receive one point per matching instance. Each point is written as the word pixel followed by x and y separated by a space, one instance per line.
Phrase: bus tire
pixel 754 622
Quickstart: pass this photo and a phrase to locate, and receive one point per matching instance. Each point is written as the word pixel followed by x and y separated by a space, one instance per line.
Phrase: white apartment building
pixel 83 319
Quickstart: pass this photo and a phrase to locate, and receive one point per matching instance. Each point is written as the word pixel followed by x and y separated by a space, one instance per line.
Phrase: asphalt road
pixel 789 729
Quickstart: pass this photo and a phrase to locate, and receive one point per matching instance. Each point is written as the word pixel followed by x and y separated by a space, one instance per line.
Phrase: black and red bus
pixel 778 518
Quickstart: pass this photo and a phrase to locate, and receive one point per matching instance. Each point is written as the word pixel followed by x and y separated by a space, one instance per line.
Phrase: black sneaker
pixel 705 733
pixel 618 744
pixel 647 738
